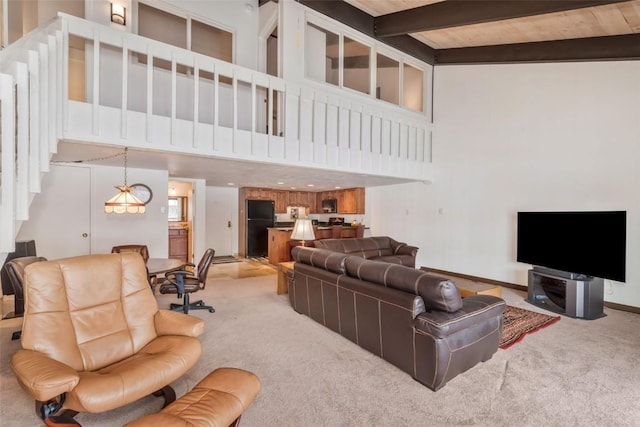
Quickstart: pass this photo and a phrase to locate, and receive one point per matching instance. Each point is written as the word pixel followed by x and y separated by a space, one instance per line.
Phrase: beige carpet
pixel 575 373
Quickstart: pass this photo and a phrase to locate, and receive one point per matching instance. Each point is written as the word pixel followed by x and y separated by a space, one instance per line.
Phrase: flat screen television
pixel 589 243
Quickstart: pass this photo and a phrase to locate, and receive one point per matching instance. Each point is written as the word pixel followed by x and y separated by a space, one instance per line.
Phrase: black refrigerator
pixel 260 216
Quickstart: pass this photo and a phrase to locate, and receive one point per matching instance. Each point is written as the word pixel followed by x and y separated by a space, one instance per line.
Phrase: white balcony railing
pixel 77 80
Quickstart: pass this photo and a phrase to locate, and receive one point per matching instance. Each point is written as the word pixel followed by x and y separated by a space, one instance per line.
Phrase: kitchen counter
pixel 280 237
pixel 319 227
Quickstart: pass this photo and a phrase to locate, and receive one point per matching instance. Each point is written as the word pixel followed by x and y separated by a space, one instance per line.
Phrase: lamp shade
pixel 124 202
pixel 303 230
pixel 118 14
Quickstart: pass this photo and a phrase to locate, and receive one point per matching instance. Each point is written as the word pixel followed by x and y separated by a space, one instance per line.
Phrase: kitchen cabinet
pixel 303 198
pixel 179 244
pixel 280 197
pixel 350 200
pixel 253 193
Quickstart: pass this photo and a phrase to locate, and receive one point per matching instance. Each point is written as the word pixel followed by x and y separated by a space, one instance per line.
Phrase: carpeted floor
pixel 575 373
pixel 518 322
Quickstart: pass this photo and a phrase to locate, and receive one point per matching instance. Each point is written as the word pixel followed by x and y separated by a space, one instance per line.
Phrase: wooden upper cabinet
pixel 251 193
pixel 281 198
pixel 351 201
pixel 302 198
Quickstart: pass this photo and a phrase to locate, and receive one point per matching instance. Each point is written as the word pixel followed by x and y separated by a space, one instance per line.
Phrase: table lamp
pixel 303 230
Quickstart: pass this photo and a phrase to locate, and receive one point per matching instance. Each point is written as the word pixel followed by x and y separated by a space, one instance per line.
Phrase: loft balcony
pixel 78 81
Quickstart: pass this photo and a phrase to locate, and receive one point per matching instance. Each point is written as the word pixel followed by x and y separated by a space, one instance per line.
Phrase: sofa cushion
pixel 329 260
pixel 365 247
pixel 438 293
pixel 407 260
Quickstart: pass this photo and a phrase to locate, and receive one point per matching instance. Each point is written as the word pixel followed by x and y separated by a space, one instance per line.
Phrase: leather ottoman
pixel 216 401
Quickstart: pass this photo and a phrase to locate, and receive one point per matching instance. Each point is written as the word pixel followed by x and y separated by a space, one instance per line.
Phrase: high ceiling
pixel 496 31
pixel 437 32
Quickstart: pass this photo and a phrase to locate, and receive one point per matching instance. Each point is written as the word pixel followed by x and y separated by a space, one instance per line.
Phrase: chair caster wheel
pixel 211 310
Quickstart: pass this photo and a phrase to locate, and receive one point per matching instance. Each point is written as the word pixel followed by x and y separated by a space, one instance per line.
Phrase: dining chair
pixel 144 252
pixel 15 271
pixel 187 280
pixel 141 249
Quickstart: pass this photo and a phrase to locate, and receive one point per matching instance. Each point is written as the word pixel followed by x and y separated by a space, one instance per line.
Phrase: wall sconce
pixel 118 14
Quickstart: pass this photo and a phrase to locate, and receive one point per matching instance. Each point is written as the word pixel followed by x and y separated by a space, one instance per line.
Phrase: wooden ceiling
pixel 496 31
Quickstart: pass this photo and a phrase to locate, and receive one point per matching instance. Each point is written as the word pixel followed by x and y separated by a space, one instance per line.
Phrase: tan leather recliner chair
pixel 94 339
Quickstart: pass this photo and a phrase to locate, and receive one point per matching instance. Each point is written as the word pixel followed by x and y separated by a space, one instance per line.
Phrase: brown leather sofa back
pixel 414 320
pixel 379 247
pixel 438 293
pixel 92 330
pixel 329 260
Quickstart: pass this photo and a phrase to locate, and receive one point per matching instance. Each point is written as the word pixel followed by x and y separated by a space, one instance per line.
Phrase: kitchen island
pixel 279 237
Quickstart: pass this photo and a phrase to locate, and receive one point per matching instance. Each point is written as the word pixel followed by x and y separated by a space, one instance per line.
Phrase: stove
pixel 336 220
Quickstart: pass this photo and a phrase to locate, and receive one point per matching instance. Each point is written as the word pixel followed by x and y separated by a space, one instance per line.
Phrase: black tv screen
pixel 591 243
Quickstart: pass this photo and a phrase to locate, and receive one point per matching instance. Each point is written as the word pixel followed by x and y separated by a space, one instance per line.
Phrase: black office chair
pixel 15 272
pixel 186 281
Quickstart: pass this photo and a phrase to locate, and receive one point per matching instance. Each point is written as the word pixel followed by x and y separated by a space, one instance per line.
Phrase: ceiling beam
pixel 361 21
pixel 455 13
pixel 608 48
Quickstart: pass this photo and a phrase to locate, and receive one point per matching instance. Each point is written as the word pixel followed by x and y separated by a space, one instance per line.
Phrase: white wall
pixel 108 230
pixel 510 138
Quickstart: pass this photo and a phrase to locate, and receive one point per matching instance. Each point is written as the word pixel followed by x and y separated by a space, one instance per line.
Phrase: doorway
pixel 180 218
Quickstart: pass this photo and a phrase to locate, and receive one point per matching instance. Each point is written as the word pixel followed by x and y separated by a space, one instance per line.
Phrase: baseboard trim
pixel 607 304
pixel 477 279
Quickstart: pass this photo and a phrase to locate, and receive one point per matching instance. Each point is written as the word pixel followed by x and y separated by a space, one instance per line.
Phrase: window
pixel 357 73
pixel 346 62
pixel 177 208
pixel 211 41
pixel 412 88
pixel 173 29
pixel 388 79
pixel 321 55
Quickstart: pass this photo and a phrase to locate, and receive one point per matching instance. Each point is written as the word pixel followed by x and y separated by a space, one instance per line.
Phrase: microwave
pixel 330 206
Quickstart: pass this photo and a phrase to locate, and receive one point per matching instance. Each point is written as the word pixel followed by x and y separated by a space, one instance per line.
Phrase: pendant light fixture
pixel 124 201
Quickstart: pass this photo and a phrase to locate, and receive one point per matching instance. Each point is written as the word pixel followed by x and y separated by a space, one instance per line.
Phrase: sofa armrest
pixel 406 250
pixel 41 376
pixel 475 310
pixel 169 322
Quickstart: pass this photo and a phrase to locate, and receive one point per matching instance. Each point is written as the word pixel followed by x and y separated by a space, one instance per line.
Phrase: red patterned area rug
pixel 517 322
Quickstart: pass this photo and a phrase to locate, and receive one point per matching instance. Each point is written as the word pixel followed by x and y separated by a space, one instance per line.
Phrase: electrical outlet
pixel 608 288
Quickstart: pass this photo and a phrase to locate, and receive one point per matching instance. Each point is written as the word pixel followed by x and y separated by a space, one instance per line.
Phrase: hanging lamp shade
pixel 124 201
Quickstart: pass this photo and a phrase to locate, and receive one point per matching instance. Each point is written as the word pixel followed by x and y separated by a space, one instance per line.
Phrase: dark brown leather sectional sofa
pixel 379 248
pixel 414 320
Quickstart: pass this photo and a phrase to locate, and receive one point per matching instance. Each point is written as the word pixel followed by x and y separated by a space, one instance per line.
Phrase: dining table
pixel 157 266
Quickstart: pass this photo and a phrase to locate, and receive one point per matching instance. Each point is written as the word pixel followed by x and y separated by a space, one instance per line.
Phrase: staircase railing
pixel 31 70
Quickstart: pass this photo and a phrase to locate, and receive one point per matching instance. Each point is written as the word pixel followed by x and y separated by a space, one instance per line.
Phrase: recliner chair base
pixel 198 305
